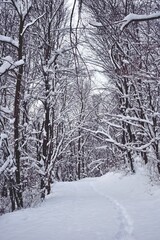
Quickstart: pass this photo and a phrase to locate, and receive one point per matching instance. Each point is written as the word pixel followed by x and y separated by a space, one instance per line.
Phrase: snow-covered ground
pixel 113 207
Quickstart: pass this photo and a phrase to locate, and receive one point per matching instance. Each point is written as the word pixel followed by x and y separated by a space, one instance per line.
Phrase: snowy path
pixel 107 208
pixel 125 231
pixel 77 211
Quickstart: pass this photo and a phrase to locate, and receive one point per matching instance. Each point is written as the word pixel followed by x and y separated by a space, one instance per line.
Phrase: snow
pixel 6 64
pixel 5 109
pixel 96 24
pixel 31 23
pixel 136 17
pixel 113 207
pixel 5 165
pixel 125 61
pixel 9 64
pixel 9 40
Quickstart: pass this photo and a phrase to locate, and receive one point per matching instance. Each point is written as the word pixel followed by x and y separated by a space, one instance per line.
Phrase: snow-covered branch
pixel 31 23
pixel 135 17
pixel 5 110
pixel 6 165
pixel 9 64
pixel 9 40
pixel 130 119
pixel 54 156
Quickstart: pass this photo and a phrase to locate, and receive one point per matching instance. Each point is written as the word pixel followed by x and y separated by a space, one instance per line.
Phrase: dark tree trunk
pixel 17 118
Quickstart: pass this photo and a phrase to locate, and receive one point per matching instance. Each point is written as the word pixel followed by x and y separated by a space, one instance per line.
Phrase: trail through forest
pixel 112 207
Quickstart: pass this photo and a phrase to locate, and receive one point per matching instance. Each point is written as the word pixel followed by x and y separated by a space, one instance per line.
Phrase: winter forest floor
pixel 112 207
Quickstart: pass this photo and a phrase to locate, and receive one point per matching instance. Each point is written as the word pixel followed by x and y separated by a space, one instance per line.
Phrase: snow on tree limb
pixel 5 110
pixel 4 166
pixel 96 24
pixel 135 17
pixel 31 23
pixel 9 64
pixel 9 40
pixel 6 64
pixel 129 146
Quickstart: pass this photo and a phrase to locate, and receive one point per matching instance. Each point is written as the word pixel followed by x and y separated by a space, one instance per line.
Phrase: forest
pixel 58 122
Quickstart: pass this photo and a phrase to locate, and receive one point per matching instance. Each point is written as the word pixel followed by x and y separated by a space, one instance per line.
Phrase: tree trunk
pixel 17 118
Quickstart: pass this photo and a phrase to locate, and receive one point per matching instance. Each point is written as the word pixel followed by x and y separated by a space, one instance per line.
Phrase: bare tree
pixel 126 57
